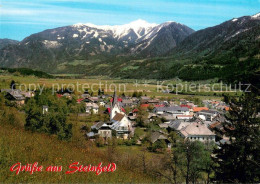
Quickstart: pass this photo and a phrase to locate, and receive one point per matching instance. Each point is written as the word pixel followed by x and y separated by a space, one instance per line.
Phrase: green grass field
pixel 128 86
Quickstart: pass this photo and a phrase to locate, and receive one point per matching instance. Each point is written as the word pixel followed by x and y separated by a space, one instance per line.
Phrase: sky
pixel 21 18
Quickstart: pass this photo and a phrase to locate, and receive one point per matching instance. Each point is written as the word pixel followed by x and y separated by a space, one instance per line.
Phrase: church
pixel 118 120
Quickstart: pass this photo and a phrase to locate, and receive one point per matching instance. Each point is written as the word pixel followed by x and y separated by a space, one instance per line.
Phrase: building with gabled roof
pixel 178 125
pixel 15 96
pixel 119 121
pixel 160 136
pixel 115 107
pixel 102 129
pixel 197 131
pixel 122 125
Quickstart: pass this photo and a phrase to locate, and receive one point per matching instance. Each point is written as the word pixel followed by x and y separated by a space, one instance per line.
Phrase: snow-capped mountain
pixel 83 43
pixel 256 16
pixel 139 28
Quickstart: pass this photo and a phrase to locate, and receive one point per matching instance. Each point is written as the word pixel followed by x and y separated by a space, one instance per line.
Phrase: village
pixel 132 117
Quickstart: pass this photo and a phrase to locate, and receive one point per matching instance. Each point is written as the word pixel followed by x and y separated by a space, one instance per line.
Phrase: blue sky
pixel 21 18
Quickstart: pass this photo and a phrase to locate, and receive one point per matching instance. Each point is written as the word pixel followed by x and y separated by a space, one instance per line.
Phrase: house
pixel 198 109
pixel 177 110
pixel 133 115
pixel 144 99
pixel 84 95
pixel 164 125
pixel 27 94
pixel 217 126
pixel 94 99
pixel 15 96
pixel 102 129
pixel 208 114
pixel 152 116
pixel 184 117
pixel 122 125
pixel 160 136
pixel 159 110
pixel 178 125
pixel 91 99
pixel 67 95
pixel 92 107
pixel 45 109
pixel 101 103
pixel 168 117
pixel 119 121
pixel 190 104
pixel 153 101
pixel 145 106
pixel 127 103
pixel 197 132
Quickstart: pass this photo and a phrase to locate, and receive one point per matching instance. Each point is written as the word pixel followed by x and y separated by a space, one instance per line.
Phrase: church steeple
pixel 115 107
pixel 114 99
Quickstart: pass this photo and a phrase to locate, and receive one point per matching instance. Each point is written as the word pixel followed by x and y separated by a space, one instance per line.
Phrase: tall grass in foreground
pixel 18 145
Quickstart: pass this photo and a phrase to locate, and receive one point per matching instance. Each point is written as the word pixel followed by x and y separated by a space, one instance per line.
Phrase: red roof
pixel 198 109
pixel 135 110
pixel 145 105
pixel 59 95
pixel 79 100
pixel 227 108
pixel 109 109
pixel 118 99
pixel 183 105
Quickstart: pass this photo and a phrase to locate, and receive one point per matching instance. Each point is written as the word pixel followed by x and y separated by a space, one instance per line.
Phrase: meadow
pixel 209 89
pixel 19 145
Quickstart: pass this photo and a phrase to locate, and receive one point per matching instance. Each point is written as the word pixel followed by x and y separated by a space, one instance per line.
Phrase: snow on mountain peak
pixel 138 26
pixel 256 15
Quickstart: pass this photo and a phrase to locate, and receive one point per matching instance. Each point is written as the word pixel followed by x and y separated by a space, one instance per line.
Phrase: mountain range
pixel 139 49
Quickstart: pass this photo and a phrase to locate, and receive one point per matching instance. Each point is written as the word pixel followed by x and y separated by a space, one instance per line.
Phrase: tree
pixel 158 146
pixel 193 161
pixel 135 94
pixel 141 117
pixel 13 85
pixel 239 161
pixel 100 92
pixel 53 122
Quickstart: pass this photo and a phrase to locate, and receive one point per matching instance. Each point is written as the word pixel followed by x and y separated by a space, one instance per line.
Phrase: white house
pixel 208 114
pixel 173 110
pixel 102 129
pixel 184 117
pixel 120 123
pixel 45 109
pixel 92 107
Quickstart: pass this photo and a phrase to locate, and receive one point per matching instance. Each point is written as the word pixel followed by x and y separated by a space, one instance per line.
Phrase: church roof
pixel 118 117
pixel 109 109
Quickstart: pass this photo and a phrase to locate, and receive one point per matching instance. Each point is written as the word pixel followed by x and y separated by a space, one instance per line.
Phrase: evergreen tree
pixel 13 85
pixel 239 160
